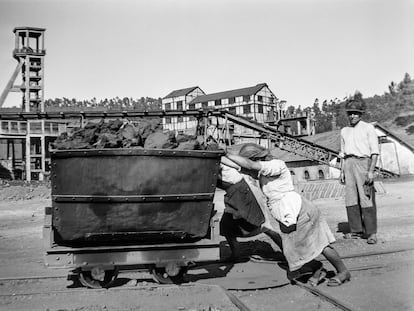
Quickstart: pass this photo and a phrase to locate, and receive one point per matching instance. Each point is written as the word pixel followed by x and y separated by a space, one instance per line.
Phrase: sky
pixel 303 49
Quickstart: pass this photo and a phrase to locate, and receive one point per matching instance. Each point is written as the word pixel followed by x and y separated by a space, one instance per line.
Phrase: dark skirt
pixel 250 216
pixel 235 227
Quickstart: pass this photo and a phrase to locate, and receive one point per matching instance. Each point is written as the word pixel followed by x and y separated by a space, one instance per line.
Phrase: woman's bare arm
pixel 226 161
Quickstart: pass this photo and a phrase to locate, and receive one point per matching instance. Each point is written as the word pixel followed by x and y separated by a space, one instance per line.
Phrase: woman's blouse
pixel 276 183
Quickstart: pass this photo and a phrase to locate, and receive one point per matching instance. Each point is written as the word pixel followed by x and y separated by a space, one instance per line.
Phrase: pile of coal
pixel 143 133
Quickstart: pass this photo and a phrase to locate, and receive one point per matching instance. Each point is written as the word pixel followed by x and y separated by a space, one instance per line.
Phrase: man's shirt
pixel 360 140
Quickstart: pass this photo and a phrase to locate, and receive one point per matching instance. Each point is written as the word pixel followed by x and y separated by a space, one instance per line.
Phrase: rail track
pixel 317 291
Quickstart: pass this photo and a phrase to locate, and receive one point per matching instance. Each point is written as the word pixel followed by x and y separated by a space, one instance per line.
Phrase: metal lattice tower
pixel 29 52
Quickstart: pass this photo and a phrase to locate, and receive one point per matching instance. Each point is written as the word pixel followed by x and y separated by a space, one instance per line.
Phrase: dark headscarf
pixel 254 151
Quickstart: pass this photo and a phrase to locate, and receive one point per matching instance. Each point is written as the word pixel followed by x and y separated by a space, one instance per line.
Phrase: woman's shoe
pixel 339 279
pixel 317 277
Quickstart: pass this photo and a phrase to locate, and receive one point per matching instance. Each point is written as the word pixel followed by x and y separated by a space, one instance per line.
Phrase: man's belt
pixel 354 156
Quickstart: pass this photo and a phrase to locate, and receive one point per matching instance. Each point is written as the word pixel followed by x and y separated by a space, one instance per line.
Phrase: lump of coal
pixel 188 142
pixel 142 133
pixel 160 140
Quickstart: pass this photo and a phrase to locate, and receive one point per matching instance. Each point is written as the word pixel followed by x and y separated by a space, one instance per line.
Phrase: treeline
pixel 125 103
pixel 330 114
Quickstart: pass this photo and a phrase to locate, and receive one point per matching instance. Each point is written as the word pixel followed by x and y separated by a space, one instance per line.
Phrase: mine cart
pixel 121 209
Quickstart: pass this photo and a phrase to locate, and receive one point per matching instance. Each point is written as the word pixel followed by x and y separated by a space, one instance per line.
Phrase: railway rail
pixel 230 293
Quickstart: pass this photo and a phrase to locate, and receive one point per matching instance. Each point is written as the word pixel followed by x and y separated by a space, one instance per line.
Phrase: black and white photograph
pixel 206 155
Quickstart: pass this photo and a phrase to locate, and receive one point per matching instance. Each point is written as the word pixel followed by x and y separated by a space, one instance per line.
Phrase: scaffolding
pixel 26 142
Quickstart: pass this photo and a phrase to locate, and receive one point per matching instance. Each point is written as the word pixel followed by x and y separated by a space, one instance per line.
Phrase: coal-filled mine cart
pixel 126 209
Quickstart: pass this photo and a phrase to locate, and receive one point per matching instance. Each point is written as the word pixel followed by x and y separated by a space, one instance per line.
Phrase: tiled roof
pixel 287 156
pixel 229 94
pixel 181 92
pixel 394 135
pixel 330 140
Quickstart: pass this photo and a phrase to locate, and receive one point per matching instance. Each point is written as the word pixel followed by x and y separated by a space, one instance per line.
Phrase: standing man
pixel 359 155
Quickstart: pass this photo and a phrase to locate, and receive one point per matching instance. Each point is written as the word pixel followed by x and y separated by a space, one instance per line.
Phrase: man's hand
pixel 342 178
pixel 370 178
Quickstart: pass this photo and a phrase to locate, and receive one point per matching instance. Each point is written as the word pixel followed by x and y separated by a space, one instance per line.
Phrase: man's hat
pixel 356 104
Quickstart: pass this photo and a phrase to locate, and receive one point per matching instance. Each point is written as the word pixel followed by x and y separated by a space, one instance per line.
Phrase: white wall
pixel 395 154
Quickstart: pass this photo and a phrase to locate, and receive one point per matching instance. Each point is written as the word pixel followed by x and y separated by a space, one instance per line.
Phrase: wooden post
pixel 227 132
pixel 42 70
pixel 16 41
pixel 28 158
pixel 43 152
pixel 27 84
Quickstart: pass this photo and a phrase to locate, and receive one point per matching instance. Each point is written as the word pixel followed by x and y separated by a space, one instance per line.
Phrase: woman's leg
pixel 275 238
pixel 333 257
pixel 234 246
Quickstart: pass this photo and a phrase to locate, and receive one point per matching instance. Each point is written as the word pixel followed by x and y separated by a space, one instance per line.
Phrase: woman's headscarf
pixel 254 151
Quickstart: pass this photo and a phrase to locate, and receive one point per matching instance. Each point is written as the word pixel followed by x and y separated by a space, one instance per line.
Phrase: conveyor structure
pixel 284 141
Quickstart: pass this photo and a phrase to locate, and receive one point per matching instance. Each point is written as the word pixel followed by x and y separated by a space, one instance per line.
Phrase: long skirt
pixel 311 236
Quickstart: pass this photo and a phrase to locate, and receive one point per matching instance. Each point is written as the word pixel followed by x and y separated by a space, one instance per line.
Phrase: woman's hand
pixel 223 146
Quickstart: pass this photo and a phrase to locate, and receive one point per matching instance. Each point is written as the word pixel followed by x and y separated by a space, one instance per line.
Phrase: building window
pixel 191 118
pixel 167 120
pixel 260 98
pixel 321 174
pixel 246 98
pixel 232 100
pixel 191 106
pixel 260 108
pixel 180 105
pixel 246 109
pixel 168 106
pixel 180 119
pixel 232 110
pixel 204 104
pixel 217 102
pixel 307 176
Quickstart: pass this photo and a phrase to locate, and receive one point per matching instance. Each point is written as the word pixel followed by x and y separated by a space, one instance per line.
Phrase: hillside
pixel 402 126
pixel 394 110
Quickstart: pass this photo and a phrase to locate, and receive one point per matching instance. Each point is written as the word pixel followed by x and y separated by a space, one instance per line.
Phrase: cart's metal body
pixel 132 208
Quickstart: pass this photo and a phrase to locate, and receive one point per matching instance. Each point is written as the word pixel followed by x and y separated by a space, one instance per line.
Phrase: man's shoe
pixel 372 239
pixel 353 236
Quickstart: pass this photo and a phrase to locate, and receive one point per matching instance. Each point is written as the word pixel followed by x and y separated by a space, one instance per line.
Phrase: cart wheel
pixel 161 276
pixel 91 279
